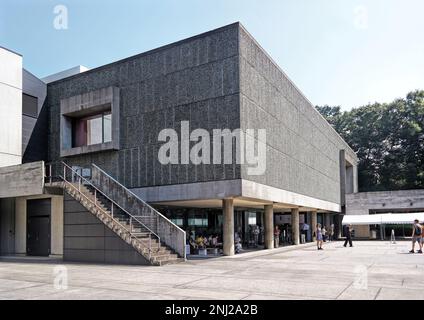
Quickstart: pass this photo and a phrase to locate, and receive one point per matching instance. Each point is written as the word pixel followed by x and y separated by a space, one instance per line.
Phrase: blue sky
pixel 337 52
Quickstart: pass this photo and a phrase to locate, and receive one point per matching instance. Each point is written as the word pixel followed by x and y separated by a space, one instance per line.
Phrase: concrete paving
pixel 369 270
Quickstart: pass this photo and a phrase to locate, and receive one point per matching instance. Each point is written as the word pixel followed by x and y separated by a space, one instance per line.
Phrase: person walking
pixel 417 236
pixel 331 232
pixel 324 234
pixel 348 232
pixel 276 237
pixel 318 232
pixel 305 231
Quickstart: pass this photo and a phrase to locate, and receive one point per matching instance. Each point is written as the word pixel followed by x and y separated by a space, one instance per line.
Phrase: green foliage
pixel 388 139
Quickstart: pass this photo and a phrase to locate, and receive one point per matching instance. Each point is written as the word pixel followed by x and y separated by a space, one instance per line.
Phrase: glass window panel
pixel 178 221
pixel 198 222
pixel 107 127
pixel 79 133
pixel 29 105
pixel 94 131
pixel 252 218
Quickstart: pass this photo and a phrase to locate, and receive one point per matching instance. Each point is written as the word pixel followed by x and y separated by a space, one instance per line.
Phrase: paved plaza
pixel 369 270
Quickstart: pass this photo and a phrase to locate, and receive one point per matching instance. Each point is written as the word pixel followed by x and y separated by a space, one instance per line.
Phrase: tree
pixel 388 139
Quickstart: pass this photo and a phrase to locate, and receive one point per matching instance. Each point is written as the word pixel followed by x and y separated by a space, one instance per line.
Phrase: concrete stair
pixel 135 234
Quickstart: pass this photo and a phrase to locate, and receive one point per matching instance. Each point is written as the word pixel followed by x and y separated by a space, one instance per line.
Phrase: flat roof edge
pixel 146 53
pixel 11 51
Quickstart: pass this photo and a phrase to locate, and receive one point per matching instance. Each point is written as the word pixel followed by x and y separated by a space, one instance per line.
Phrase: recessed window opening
pixel 91 130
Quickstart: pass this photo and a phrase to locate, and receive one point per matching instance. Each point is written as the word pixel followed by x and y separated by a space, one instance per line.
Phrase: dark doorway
pixel 38 227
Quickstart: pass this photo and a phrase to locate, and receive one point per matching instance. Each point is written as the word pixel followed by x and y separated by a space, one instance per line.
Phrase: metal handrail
pixel 157 214
pixel 112 201
pixel 130 232
pixel 116 221
pixel 144 202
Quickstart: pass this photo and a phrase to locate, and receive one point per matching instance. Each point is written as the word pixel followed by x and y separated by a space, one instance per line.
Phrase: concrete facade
pixel 34 126
pixel 364 203
pixel 302 148
pixel 22 180
pixel 36 88
pixel 221 79
pixel 64 74
pixel 87 239
pixel 217 80
pixel 385 202
pixel 192 80
pixel 10 108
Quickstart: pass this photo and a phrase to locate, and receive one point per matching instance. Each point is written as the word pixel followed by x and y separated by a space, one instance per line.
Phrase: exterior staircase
pixel 128 226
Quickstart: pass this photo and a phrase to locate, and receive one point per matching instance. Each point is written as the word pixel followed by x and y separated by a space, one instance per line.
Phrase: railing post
pixel 150 246
pixel 95 197
pixel 111 209
pixel 64 172
pixel 79 184
pixel 50 173
pixel 131 224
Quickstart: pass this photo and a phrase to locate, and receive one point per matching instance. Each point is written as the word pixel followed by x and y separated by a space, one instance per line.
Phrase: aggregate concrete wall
pixel 10 108
pixel 220 79
pixel 192 80
pixel 385 201
pixel 302 148
pixel 87 239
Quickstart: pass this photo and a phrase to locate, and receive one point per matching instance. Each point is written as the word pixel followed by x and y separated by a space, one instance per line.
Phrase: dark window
pixel 29 105
pixel 95 129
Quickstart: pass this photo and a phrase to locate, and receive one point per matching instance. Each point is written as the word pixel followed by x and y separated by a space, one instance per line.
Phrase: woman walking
pixel 318 232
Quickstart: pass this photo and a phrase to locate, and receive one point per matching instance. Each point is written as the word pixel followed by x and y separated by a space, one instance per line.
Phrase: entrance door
pixel 38 227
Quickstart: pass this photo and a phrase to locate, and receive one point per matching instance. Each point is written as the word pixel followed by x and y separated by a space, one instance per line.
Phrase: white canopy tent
pixel 385 218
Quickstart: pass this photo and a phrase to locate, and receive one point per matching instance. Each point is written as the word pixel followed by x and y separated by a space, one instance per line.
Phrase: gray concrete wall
pixel 34 129
pixel 87 239
pixel 195 80
pixel 64 74
pixel 10 108
pixel 22 180
pixel 302 148
pixel 199 80
pixel 385 201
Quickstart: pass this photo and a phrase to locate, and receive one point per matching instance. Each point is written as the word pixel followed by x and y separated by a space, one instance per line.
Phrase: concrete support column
pixel 314 224
pixel 269 226
pixel 295 225
pixel 338 232
pixel 228 226
pixel 327 220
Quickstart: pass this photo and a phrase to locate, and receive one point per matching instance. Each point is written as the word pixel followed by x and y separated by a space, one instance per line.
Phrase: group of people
pixel 203 241
pixel 417 236
pixel 322 235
